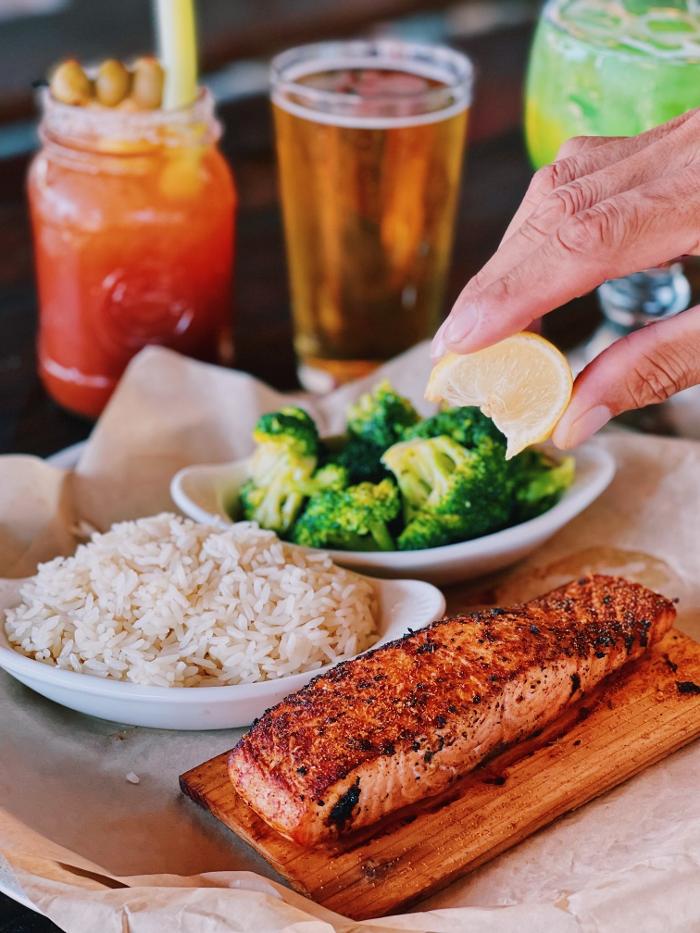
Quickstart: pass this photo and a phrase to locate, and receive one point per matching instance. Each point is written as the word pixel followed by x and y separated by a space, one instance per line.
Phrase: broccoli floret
pixel 539 482
pixel 381 416
pixel 275 505
pixel 292 427
pixel 330 476
pixel 466 491
pixel 276 490
pixel 375 421
pixel 352 519
pixel 280 469
pixel 483 488
pixel 362 460
pixel 425 470
pixel 466 425
pixel 427 530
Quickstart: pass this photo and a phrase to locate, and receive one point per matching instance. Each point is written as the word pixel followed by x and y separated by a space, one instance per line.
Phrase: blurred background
pixel 237 39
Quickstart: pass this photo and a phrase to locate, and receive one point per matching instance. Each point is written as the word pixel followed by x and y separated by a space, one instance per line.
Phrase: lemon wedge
pixel 522 383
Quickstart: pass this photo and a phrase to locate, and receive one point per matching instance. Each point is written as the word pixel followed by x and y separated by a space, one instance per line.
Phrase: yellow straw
pixel 177 41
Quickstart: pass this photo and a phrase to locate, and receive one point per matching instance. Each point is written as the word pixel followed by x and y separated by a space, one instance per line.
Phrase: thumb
pixel 646 367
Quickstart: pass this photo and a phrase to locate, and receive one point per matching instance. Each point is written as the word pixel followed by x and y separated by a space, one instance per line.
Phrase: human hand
pixel 605 208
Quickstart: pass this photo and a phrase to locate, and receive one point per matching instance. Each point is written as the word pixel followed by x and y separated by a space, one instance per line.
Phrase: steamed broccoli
pixel 355 519
pixel 362 460
pixel 281 466
pixel 452 493
pixel 381 417
pixel 539 483
pixel 429 530
pixel 466 425
pixel 330 476
pixel 375 421
pixel 454 482
pixel 291 428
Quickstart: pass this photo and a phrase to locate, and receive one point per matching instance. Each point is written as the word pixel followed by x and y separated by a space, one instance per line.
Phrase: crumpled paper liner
pixel 82 845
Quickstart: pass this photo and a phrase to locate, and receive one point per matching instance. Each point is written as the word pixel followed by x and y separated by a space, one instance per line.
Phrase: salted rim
pixel 69 121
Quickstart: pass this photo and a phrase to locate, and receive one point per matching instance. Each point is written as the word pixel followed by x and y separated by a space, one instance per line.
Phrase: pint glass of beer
pixel 370 138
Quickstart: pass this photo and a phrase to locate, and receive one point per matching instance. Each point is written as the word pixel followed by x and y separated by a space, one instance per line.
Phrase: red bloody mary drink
pixel 133 218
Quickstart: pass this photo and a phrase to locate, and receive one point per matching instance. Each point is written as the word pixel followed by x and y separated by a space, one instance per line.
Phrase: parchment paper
pixel 95 852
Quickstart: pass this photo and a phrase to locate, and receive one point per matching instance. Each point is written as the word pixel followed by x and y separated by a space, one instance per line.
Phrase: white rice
pixel 169 602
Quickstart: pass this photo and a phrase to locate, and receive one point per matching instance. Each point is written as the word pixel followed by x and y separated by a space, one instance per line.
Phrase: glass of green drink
pixel 615 68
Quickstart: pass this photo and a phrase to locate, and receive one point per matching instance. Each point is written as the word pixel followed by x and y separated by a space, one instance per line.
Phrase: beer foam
pixel 636 26
pixel 457 96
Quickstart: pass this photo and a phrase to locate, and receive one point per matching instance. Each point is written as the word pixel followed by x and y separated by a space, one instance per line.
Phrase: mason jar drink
pixel 133 217
pixel 370 139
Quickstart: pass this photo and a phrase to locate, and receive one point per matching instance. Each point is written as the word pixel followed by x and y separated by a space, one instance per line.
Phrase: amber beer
pixel 370 139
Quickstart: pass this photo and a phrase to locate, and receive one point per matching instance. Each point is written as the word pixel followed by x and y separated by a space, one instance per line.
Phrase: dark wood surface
pixel 496 175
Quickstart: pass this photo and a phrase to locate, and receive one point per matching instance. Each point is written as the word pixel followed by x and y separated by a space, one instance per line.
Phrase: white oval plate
pixel 203 492
pixel 403 605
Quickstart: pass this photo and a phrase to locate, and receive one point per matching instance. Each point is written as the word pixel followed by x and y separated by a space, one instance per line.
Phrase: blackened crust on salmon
pixel 405 716
pixel 342 809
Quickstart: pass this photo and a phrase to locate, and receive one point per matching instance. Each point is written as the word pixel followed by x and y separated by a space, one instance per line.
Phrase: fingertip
pixel 560 434
pixel 573 430
pixel 437 347
pixel 462 328
pixel 456 333
pixel 560 437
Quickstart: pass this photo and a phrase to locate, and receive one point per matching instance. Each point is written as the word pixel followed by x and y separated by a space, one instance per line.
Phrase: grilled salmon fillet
pixel 403 721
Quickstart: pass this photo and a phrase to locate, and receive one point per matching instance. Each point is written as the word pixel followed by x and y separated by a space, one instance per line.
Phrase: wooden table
pixel 497 173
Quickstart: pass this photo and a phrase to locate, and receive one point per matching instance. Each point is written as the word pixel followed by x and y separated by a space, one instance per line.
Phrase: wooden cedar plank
pixel 630 723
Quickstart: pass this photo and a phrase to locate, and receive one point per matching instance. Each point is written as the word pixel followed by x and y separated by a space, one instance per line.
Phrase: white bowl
pixel 203 492
pixel 403 605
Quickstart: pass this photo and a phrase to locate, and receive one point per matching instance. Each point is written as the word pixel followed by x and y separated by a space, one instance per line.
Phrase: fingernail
pixel 438 346
pixel 571 435
pixel 453 331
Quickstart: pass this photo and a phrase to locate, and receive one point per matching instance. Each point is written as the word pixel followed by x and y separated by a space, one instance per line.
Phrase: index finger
pixel 616 237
